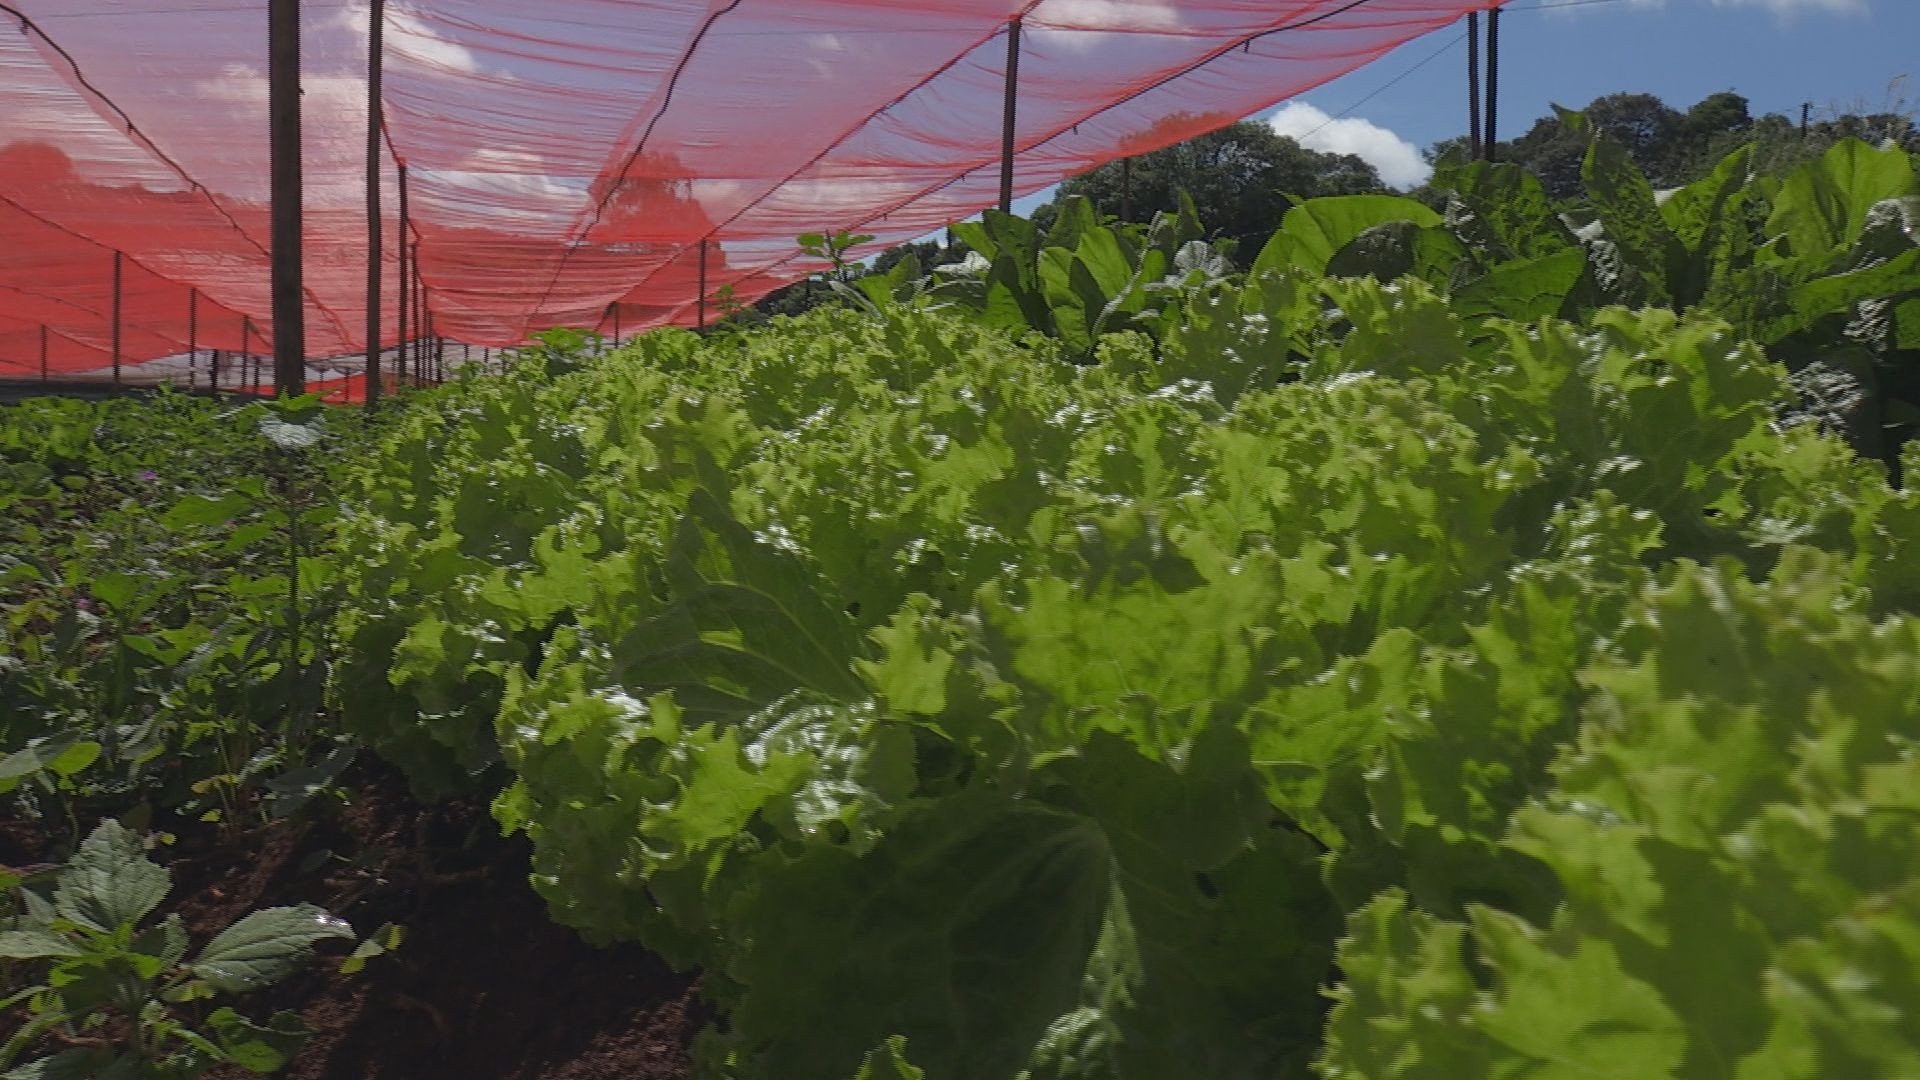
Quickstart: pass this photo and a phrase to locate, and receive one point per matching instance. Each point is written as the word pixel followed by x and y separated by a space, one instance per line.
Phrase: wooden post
pixel 419 318
pixel 1473 86
pixel 193 336
pixel 376 256
pixel 116 320
pixel 1008 115
pixel 406 284
pixel 283 112
pixel 43 352
pixel 1493 84
pixel 701 308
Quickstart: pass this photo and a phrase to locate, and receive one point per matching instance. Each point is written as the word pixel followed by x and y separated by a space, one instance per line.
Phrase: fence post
pixel 376 256
pixel 193 337
pixel 420 330
pixel 283 111
pixel 1474 150
pixel 1493 82
pixel 1008 115
pixel 404 301
pixel 116 320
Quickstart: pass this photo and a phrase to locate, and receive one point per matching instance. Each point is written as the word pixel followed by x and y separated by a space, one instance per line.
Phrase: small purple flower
pixel 149 475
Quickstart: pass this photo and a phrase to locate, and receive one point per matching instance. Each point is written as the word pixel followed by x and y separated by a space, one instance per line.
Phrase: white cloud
pixel 1110 14
pixel 1794 7
pixel 1084 26
pixel 1398 161
pixel 1782 8
pixel 411 36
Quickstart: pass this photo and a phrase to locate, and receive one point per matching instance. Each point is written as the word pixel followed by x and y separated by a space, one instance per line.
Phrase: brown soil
pixel 484 985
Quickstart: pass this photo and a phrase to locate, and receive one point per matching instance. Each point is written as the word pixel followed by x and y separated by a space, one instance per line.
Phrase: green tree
pixel 1652 132
pixel 1674 148
pixel 1242 179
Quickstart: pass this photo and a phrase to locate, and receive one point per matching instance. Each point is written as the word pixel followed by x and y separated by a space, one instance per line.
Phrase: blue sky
pixel 1778 53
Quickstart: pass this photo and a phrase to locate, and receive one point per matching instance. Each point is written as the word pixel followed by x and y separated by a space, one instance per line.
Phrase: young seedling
pixel 114 995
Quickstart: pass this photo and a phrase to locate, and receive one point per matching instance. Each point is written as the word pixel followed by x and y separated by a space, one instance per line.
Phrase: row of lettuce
pixel 1469 644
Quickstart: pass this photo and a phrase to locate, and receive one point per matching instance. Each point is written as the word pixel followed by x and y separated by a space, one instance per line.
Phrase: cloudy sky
pixel 1778 53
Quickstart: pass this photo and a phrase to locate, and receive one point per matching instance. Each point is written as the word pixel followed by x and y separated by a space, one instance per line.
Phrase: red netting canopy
pixel 562 157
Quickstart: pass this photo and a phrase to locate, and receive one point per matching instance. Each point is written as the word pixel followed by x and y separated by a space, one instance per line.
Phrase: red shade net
pixel 567 156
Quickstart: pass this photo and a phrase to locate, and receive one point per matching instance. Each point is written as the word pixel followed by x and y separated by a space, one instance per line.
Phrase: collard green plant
pixel 115 994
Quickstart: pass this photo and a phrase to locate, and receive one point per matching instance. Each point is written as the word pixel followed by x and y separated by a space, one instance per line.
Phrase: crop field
pixel 1478 642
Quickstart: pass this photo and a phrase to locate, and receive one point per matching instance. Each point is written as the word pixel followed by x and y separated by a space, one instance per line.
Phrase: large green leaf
pixel 1808 303
pixel 748 624
pixel 1502 210
pixel 966 931
pixel 1321 227
pixel 1627 211
pixel 110 883
pixel 1822 206
pixel 1198 977
pixel 35 945
pixel 1524 290
pixel 1708 218
pixel 62 755
pixel 265 946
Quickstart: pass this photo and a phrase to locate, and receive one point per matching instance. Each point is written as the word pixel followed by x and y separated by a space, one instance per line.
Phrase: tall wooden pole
pixel 1493 83
pixel 116 320
pixel 420 330
pixel 703 284
pixel 376 256
pixel 193 336
pixel 283 112
pixel 1473 86
pixel 406 284
pixel 1009 115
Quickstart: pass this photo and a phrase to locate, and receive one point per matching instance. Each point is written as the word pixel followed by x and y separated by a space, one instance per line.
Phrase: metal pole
pixel 1008 116
pixel 376 257
pixel 193 335
pixel 43 352
pixel 213 372
pixel 702 307
pixel 1473 86
pixel 406 283
pixel 616 323
pixel 283 111
pixel 116 319
pixel 1493 82
pixel 420 330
